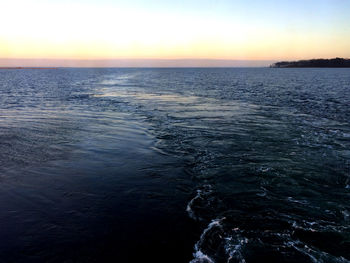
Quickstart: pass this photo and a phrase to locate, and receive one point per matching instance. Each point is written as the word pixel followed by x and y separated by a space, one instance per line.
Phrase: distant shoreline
pixel 314 63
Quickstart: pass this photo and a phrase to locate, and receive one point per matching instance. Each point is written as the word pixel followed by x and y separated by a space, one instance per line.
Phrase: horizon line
pixel 137 67
pixel 131 62
pixel 135 63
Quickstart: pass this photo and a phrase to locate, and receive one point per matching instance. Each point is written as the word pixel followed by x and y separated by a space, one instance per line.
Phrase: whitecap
pixel 199 256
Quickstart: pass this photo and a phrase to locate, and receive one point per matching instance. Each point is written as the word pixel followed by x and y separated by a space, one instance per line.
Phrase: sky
pixel 82 33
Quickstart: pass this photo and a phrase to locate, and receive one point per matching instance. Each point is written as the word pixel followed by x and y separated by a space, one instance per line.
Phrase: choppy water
pixel 175 165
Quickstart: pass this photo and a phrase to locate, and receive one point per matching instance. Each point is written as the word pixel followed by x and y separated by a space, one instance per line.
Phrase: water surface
pixel 175 165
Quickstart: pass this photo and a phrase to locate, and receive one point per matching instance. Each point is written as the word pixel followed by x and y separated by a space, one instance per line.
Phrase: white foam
pixel 234 250
pixel 189 210
pixel 199 256
pixel 200 195
pixel 214 223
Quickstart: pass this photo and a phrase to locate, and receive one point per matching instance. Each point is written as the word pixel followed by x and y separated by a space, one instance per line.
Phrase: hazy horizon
pixel 5 62
pixel 134 63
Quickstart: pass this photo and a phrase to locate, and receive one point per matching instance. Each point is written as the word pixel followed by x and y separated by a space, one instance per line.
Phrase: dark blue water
pixel 175 165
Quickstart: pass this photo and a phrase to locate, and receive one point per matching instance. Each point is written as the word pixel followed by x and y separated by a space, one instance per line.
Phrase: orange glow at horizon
pixel 41 30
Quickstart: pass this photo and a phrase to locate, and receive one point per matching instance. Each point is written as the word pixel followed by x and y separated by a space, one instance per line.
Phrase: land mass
pixel 314 63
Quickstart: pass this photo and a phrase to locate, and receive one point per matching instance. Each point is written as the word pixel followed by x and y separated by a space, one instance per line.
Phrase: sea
pixel 193 165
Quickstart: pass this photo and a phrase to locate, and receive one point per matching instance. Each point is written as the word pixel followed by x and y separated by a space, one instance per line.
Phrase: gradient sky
pixel 167 29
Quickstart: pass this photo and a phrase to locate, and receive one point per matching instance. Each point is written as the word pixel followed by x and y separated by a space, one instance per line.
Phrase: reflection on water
pixel 175 165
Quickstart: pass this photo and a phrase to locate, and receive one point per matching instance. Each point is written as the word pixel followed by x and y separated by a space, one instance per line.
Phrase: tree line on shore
pixel 314 63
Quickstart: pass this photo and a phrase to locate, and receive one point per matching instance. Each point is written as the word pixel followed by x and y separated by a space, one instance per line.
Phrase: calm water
pixel 175 165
